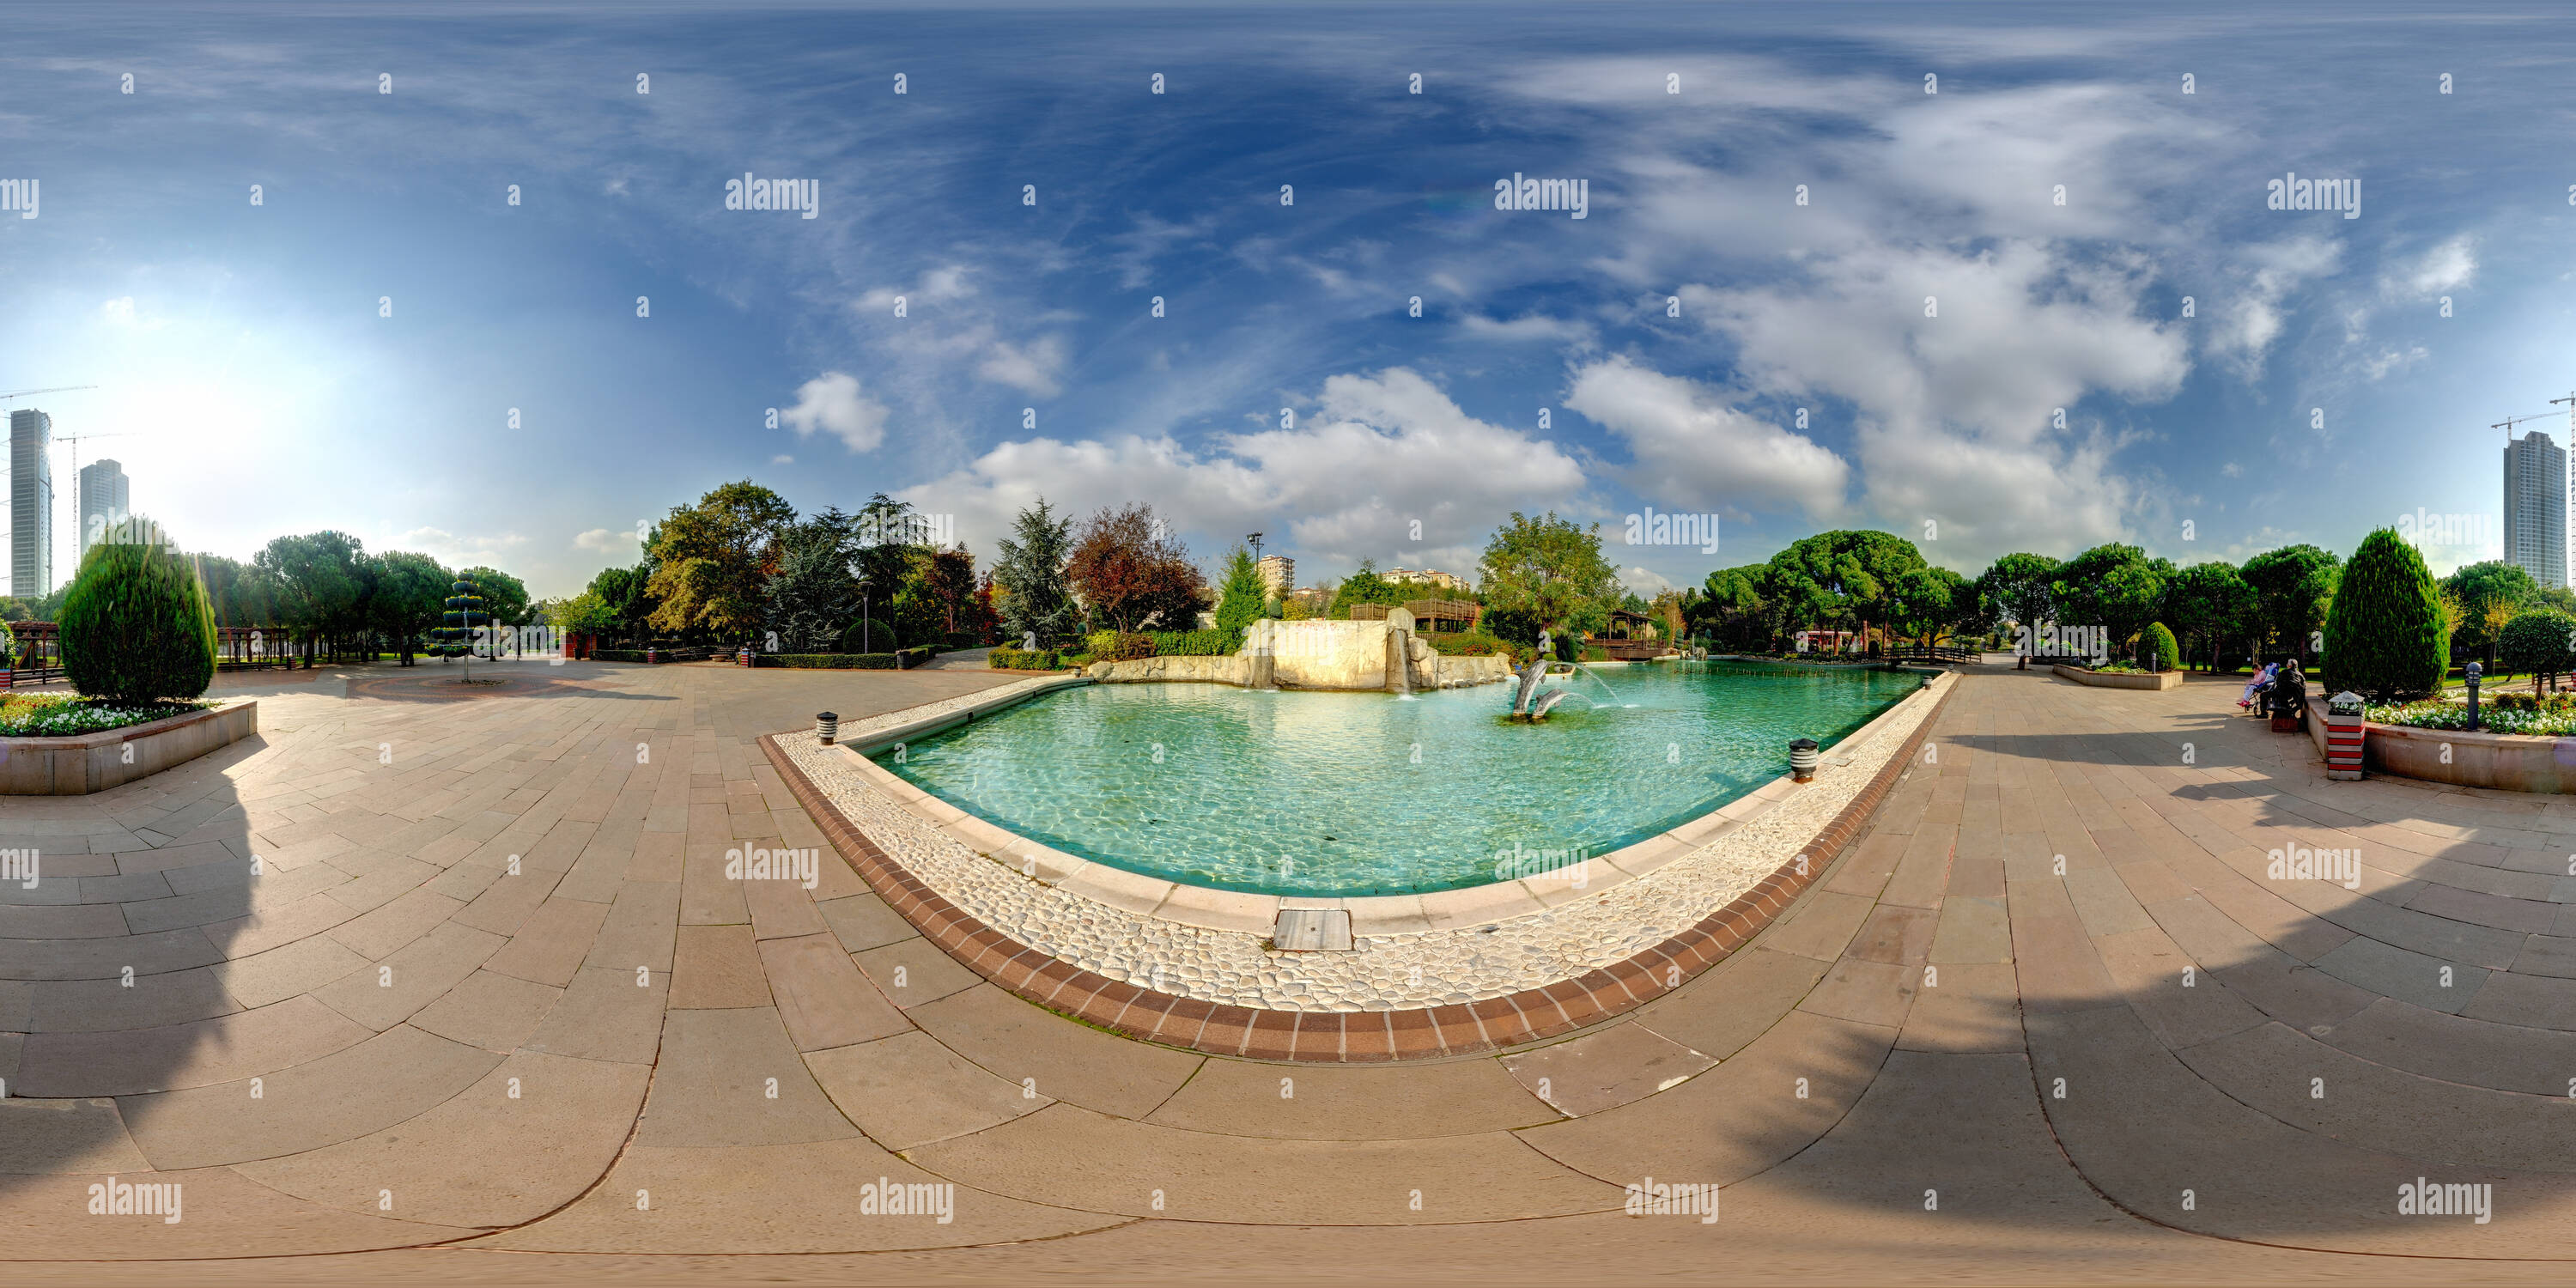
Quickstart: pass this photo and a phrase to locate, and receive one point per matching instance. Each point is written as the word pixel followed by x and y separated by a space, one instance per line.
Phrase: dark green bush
pixel 2163 653
pixel 962 639
pixel 137 626
pixel 1012 659
pixel 1207 643
pixel 2384 632
pixel 826 661
pixel 912 657
pixel 1478 644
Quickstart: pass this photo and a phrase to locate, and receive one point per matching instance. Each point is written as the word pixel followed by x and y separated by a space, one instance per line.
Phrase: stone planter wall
pixel 2118 680
pixel 2508 762
pixel 93 762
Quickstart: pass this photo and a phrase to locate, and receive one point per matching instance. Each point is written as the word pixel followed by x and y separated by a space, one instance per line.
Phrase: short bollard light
pixel 828 726
pixel 2472 672
pixel 1802 759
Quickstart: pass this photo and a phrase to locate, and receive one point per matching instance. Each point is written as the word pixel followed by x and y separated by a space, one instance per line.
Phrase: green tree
pixel 1845 578
pixel 2535 643
pixel 1548 574
pixel 317 583
pixel 1730 609
pixel 1244 598
pixel 814 595
pixel 713 560
pixel 505 597
pixel 2213 608
pixel 1364 587
pixel 409 591
pixel 2023 589
pixel 947 582
pixel 622 589
pixel 1036 599
pixel 136 626
pixel 2163 654
pixel 583 612
pixel 2291 587
pixel 2113 586
pixel 2384 635
pixel 1928 603
pixel 2489 594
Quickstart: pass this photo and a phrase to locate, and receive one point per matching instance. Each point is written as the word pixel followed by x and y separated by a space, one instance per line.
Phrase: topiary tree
pixel 2385 637
pixel 2536 643
pixel 2163 654
pixel 465 612
pixel 137 626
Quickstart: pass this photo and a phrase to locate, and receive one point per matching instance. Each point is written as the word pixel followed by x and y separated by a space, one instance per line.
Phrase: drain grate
pixel 1313 930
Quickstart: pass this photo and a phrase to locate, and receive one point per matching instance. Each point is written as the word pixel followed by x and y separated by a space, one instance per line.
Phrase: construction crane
pixel 58 389
pixel 2509 422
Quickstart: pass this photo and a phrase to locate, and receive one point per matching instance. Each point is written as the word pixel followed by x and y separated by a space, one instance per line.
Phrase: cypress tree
pixel 2384 635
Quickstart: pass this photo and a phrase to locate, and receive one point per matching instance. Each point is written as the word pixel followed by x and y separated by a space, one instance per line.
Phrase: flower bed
pixel 54 715
pixel 2551 717
pixel 83 761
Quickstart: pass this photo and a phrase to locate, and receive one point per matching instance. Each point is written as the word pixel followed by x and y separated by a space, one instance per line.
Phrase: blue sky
pixel 260 391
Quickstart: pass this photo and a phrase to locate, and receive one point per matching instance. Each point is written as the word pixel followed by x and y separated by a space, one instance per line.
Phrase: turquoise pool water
pixel 1332 794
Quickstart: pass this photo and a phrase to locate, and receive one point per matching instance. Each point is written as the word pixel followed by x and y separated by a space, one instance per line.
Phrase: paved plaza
pixel 490 1008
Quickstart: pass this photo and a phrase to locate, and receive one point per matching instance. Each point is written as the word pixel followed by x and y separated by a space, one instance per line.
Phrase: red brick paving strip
pixel 1343 1036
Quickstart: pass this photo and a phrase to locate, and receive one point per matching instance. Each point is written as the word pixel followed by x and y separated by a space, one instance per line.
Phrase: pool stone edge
pixel 1360 1036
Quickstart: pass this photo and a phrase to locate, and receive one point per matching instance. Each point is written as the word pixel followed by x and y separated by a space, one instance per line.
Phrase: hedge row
pixel 1207 643
pixel 903 659
pixel 827 661
pixel 1013 659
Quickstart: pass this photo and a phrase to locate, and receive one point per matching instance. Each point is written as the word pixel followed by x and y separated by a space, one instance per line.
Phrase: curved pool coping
pixel 1243 912
pixel 1351 1035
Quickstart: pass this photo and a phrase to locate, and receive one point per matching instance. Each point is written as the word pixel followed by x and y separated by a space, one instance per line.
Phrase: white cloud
pixel 607 542
pixel 782 459
pixel 1031 370
pixel 449 548
pixel 1692 449
pixel 2446 267
pixel 1528 326
pixel 832 403
pixel 1379 453
pixel 118 311
pixel 1957 411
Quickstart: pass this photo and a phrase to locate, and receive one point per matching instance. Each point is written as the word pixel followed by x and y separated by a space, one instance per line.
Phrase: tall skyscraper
pixel 2535 508
pixel 102 500
pixel 31 504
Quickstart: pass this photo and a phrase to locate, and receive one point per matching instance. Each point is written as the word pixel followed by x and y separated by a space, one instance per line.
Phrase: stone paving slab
pixel 1944 1080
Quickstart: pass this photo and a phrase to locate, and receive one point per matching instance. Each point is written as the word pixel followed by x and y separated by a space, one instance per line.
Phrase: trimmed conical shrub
pixel 464 605
pixel 2384 636
pixel 137 626
pixel 2163 653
